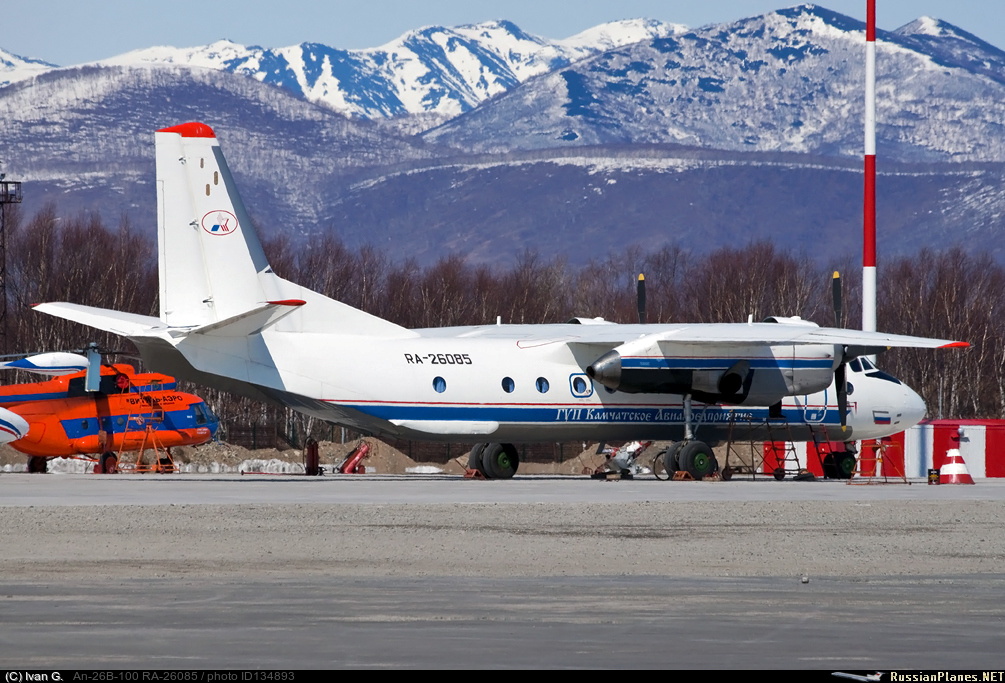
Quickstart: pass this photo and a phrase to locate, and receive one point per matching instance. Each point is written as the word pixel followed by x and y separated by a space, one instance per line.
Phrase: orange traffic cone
pixel 954 471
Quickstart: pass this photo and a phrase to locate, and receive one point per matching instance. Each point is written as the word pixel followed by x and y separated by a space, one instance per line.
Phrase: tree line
pixel 949 293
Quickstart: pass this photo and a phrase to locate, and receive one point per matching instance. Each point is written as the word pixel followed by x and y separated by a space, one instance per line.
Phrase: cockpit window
pixel 855 365
pixel 879 374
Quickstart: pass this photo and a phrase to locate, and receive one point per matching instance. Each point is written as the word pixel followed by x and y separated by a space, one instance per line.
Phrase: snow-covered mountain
pixel 17 68
pixel 721 135
pixel 433 70
pixel 84 138
pixel 788 81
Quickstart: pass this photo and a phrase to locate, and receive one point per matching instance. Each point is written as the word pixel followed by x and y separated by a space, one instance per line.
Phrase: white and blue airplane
pixel 228 321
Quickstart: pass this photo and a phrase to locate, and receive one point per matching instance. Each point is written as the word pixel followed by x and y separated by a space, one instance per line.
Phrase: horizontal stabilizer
pixel 252 321
pixel 116 322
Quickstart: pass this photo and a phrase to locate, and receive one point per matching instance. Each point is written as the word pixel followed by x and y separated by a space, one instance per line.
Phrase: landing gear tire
pixel 38 465
pixel 668 457
pixel 697 459
pixel 166 465
pixel 109 463
pixel 475 458
pixel 727 473
pixel 845 465
pixel 839 465
pixel 499 460
pixel 779 473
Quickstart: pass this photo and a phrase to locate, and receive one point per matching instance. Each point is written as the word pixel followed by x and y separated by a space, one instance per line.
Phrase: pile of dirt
pixel 218 456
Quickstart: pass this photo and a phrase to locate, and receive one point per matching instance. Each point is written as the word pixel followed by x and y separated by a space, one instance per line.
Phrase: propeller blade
pixel 841 384
pixel 640 297
pixel 836 297
pixel 52 364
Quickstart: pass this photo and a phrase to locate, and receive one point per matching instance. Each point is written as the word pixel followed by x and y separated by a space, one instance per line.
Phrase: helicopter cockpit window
pixel 110 384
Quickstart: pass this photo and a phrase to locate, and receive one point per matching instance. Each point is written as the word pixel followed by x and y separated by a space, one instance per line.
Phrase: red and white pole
pixel 869 229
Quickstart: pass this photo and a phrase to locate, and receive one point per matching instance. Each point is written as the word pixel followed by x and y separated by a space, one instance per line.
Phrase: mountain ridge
pixel 758 137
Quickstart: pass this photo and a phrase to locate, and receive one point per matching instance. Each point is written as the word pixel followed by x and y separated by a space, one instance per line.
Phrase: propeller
pixel 841 382
pixel 836 298
pixel 640 298
pixel 840 373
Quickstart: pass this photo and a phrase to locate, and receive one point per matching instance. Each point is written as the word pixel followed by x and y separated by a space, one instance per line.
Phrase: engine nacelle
pixel 735 374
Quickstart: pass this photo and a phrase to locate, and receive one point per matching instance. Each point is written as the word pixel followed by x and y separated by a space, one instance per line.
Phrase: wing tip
pixel 193 129
pixel 956 345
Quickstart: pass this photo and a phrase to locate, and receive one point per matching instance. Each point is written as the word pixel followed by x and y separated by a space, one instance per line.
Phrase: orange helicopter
pixel 82 413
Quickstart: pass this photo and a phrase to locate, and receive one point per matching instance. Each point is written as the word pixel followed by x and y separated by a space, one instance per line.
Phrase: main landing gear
pixel 691 456
pixel 494 460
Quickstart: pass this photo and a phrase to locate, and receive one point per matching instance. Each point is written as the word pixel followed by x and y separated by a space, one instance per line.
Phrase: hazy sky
pixel 69 32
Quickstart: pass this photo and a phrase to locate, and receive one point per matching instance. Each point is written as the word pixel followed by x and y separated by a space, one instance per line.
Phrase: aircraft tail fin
pixel 212 267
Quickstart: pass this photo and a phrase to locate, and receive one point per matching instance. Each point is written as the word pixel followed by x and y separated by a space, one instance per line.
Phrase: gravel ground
pixel 694 539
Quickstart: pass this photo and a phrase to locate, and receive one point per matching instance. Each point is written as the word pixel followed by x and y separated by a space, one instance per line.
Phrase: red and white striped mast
pixel 869 214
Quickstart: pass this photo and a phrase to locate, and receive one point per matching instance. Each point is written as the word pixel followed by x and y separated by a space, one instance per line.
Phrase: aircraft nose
pixel 913 408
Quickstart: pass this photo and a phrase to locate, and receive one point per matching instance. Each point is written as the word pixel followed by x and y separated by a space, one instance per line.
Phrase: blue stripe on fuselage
pixel 626 414
pixel 116 424
pixel 662 362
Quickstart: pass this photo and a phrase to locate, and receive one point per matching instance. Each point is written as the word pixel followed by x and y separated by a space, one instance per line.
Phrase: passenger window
pixel 439 385
pixel 580 386
pixel 508 385
pixel 542 385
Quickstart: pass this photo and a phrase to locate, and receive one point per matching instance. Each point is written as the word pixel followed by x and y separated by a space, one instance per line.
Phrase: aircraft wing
pixel 755 333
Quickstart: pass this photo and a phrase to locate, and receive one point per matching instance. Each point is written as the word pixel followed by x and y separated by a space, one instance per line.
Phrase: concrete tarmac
pixel 423 571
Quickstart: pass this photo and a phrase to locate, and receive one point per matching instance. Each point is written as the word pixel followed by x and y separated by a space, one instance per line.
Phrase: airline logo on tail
pixel 219 222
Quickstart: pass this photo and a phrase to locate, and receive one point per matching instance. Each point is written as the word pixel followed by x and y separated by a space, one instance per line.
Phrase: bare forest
pixel 939 293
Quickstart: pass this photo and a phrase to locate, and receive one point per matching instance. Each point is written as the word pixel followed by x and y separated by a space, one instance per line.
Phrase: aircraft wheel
pixel 38 465
pixel 475 458
pixel 727 473
pixel 668 457
pixel 844 465
pixel 697 458
pixel 500 460
pixel 779 473
pixel 109 463
pixel 166 465
pixel 830 470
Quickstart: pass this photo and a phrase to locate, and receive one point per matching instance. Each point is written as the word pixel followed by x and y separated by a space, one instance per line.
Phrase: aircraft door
pixel 814 410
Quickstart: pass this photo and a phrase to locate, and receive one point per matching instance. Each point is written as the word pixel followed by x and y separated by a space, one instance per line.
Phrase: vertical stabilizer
pixel 212 266
pixel 205 237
